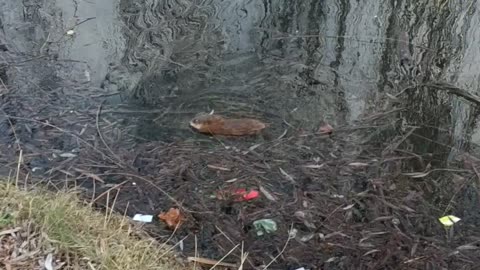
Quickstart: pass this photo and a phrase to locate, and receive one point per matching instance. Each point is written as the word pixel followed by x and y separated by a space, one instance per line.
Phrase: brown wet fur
pixel 219 125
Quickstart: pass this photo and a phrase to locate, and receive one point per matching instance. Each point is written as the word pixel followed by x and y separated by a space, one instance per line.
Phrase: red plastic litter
pixel 238 195
pixel 251 195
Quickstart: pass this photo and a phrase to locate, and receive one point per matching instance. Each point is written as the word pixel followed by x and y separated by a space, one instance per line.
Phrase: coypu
pixel 219 125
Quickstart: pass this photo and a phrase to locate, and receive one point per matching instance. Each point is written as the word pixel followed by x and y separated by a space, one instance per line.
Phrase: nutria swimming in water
pixel 218 125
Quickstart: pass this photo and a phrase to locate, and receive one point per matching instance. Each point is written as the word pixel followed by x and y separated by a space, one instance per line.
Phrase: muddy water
pixel 292 63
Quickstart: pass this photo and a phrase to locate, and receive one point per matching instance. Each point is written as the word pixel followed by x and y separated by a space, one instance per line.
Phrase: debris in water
pixel 267 194
pixel 306 237
pixel 143 218
pixel 253 194
pixel 240 194
pixel 264 226
pixel 214 167
pixel 287 176
pixel 348 206
pixel 314 166
pixel 417 174
pixel 449 220
pixel 325 129
pixel 173 217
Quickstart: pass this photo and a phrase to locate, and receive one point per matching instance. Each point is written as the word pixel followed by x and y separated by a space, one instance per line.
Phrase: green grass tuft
pixel 77 235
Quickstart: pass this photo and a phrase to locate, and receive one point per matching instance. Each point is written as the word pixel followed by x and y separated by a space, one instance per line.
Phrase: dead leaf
pixel 283 134
pixel 251 148
pixel 267 194
pixel 383 218
pixel 392 97
pixel 417 174
pixel 467 247
pixel 218 168
pixel 332 259
pixel 90 175
pixel 325 129
pixel 314 166
pixel 371 252
pixel 408 209
pixel 307 237
pixel 173 217
pixel 288 176
pixel 67 155
pixel 358 164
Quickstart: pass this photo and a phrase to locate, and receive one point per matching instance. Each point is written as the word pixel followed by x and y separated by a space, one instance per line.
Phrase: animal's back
pixel 244 126
pixel 218 125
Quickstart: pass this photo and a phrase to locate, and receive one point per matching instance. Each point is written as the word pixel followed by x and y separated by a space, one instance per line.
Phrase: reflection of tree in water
pixel 436 55
pixel 315 58
pixel 433 109
pixel 165 38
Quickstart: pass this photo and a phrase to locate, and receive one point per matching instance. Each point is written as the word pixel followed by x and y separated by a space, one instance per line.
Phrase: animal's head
pixel 205 120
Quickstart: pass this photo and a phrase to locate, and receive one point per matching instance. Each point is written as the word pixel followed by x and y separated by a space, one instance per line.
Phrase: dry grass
pixel 37 227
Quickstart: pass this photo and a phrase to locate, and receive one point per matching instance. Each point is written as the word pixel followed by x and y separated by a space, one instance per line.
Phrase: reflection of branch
pixel 84 21
pixel 451 89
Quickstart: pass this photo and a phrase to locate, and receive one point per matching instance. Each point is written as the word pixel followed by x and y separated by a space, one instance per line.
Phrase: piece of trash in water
pixel 143 218
pixel 263 226
pixel 325 129
pixel 238 195
pixel 247 196
pixel 173 217
pixel 70 32
pixel 449 220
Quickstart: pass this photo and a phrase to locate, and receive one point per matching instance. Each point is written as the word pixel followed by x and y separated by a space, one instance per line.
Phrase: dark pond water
pixel 300 61
pixel 291 63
